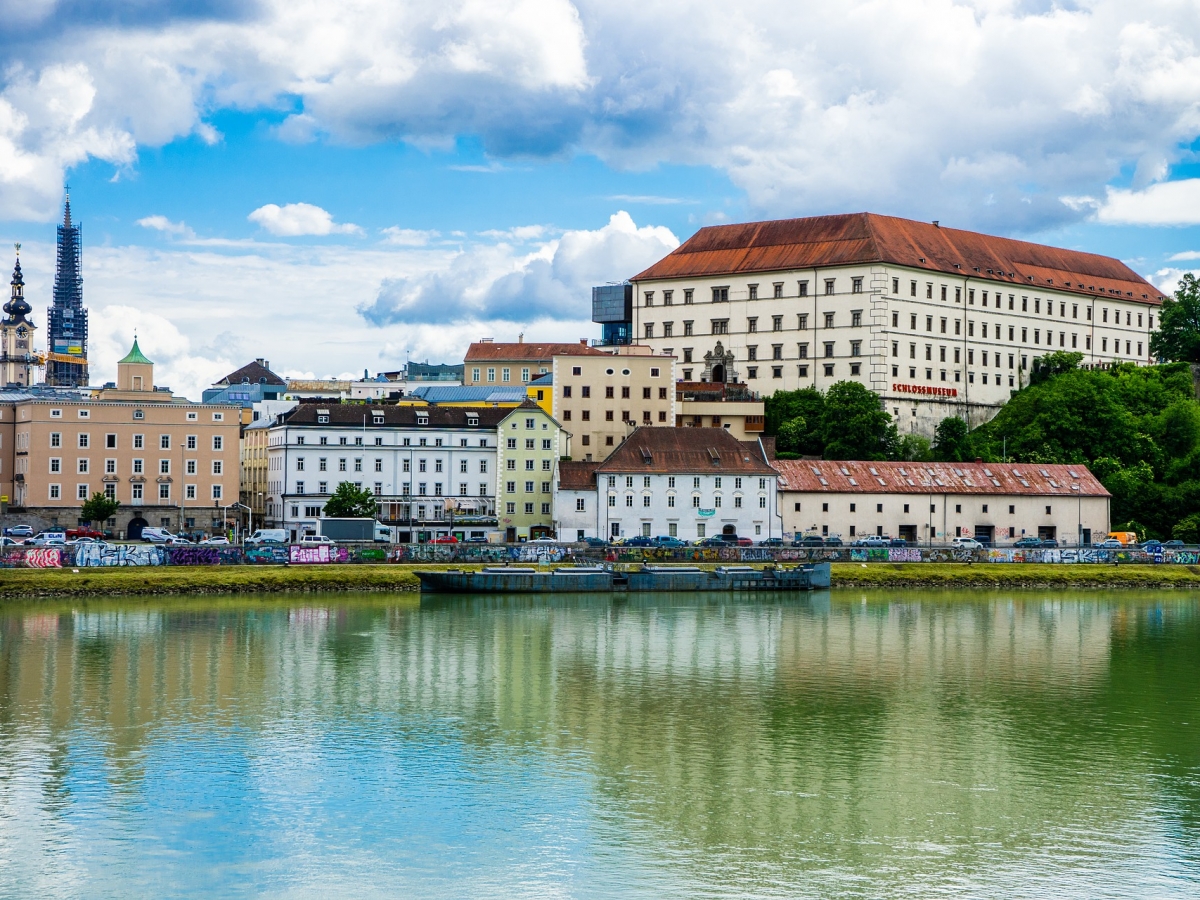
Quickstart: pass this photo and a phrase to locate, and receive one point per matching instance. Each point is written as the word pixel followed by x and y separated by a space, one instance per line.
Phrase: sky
pixel 340 187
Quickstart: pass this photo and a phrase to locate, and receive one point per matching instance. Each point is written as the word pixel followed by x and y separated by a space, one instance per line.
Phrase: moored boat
pixel 578 579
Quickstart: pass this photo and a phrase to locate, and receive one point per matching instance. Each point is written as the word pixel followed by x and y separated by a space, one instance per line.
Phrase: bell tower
pixel 17 359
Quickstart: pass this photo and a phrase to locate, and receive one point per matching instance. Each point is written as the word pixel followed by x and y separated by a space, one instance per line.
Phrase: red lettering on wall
pixel 924 389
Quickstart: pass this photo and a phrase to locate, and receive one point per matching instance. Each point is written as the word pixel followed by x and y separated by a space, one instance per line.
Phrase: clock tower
pixel 17 358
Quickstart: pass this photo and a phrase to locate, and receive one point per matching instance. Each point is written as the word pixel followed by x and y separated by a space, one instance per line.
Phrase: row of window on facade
pixel 585 392
pixel 84 440
pixel 1037 340
pixel 506 374
pixel 405 464
pixel 137 414
pixel 696 501
pixel 609 416
pixel 720 293
pixel 323 440
pixel 423 488
pixel 718 481
pixel 83 466
pixel 137 492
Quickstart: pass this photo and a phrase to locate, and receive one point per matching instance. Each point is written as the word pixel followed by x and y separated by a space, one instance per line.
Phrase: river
pixel 853 745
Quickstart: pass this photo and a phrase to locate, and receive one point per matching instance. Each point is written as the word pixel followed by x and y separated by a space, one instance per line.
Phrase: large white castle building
pixel 937 321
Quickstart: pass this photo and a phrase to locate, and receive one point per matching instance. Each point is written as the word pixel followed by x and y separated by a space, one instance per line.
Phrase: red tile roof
pixel 577 476
pixel 858 238
pixel 679 451
pixel 836 477
pixel 485 351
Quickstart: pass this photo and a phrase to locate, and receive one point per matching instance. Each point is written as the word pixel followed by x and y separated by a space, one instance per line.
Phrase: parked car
pixel 216 541
pixel 897 542
pixel 6 541
pixel 809 540
pixel 1049 542
pixel 595 542
pixel 1110 544
pixel 1172 545
pixel 665 540
pixel 157 535
pixel 871 540
pixel 313 540
pixel 1028 542
pixel 19 531
pixel 833 541
pixel 542 540
pixel 268 536
pixel 445 539
pixel 771 542
pixel 639 541
pixel 47 539
pixel 476 540
pixel 968 543
pixel 73 533
pixel 1152 546
pixel 710 542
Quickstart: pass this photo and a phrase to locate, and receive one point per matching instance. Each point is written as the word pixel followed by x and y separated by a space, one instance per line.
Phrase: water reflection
pixel 683 746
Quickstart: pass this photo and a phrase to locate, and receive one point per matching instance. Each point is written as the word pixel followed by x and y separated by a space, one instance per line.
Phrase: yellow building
pixel 530 443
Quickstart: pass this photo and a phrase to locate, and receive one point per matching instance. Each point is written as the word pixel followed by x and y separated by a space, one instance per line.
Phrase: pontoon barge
pixel 517 580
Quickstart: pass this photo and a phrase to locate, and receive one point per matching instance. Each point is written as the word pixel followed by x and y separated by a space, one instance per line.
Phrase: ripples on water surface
pixel 845 747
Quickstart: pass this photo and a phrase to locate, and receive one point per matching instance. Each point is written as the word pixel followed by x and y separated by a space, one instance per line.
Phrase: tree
pixel 854 425
pixel 807 404
pixel 915 448
pixel 1178 335
pixel 952 441
pixel 349 502
pixel 791 436
pixel 98 508
pixel 1046 367
pixel 1187 529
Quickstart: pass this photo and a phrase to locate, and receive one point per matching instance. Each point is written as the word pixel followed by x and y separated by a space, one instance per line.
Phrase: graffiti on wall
pixel 320 553
pixel 43 558
pixel 102 554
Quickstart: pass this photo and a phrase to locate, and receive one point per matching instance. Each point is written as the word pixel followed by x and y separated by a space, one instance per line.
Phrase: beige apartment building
pixel 254 489
pixel 602 399
pixel 528 451
pixel 170 462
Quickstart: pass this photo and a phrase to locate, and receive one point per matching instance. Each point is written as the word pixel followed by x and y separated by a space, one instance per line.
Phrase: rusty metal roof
pixel 576 475
pixel 487 351
pixel 836 477
pixel 864 238
pixel 679 451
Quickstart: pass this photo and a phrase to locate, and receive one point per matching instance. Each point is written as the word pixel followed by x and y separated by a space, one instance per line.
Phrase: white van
pixel 309 540
pixel 268 536
pixel 157 535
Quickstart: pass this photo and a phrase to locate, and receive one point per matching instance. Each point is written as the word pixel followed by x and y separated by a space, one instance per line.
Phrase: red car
pixel 76 533
pixel 448 539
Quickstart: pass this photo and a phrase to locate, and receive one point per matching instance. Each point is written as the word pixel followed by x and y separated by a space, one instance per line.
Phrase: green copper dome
pixel 135 356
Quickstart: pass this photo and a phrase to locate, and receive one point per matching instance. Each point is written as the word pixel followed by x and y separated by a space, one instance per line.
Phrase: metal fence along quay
pixel 105 554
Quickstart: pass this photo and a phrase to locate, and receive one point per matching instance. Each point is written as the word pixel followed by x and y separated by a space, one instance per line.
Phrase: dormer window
pixel 472 420
pixel 422 418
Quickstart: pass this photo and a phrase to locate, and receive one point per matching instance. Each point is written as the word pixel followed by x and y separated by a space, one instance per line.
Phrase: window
pixel 829 285
pixel 217 467
pixel 55 465
pixel 649 329
pixel 856 318
pixel 82 466
pixel 110 467
pixel 802 321
pixel 778 286
pixel 856 348
pixel 720 326
pixel 802 349
pixel 687 296
pixel 720 295
pixel 81 491
pixel 777 323
pixel 83 441
pixel 216 490
pixel 828 349
pixel 828 320
pixel 753 291
pixel 164 467
pixel 687 332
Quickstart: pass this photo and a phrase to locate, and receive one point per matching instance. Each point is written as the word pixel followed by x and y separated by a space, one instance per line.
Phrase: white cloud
pixel 1184 256
pixel 408 237
pixel 166 226
pixel 493 283
pixel 297 219
pixel 1166 203
pixel 980 112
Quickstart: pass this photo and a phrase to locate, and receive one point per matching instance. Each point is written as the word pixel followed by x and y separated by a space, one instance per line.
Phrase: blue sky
pixel 336 188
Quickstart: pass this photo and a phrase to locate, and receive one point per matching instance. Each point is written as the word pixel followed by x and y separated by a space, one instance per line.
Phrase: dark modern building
pixel 612 308
pixel 67 329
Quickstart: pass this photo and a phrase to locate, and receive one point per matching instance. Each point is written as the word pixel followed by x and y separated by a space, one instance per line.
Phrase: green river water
pixel 847 745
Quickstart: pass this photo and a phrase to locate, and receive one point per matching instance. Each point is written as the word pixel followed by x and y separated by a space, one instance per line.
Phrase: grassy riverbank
pixel 26 584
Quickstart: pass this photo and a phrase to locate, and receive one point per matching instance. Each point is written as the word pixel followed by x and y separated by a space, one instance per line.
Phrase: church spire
pixel 17 306
pixel 67 207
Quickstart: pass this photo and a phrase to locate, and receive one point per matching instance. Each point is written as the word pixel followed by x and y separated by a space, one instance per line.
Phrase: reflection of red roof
pixel 835 477
pixel 487 350
pixel 577 476
pixel 678 451
pixel 858 238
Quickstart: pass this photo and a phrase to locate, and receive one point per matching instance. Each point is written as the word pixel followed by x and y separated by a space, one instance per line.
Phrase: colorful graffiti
pixel 321 553
pixel 44 558
pixel 103 554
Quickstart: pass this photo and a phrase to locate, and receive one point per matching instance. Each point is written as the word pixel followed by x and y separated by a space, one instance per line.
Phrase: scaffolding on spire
pixel 67 328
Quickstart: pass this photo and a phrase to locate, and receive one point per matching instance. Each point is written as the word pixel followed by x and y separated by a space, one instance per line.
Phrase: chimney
pixel 935 224
pixel 583 342
pixel 521 338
